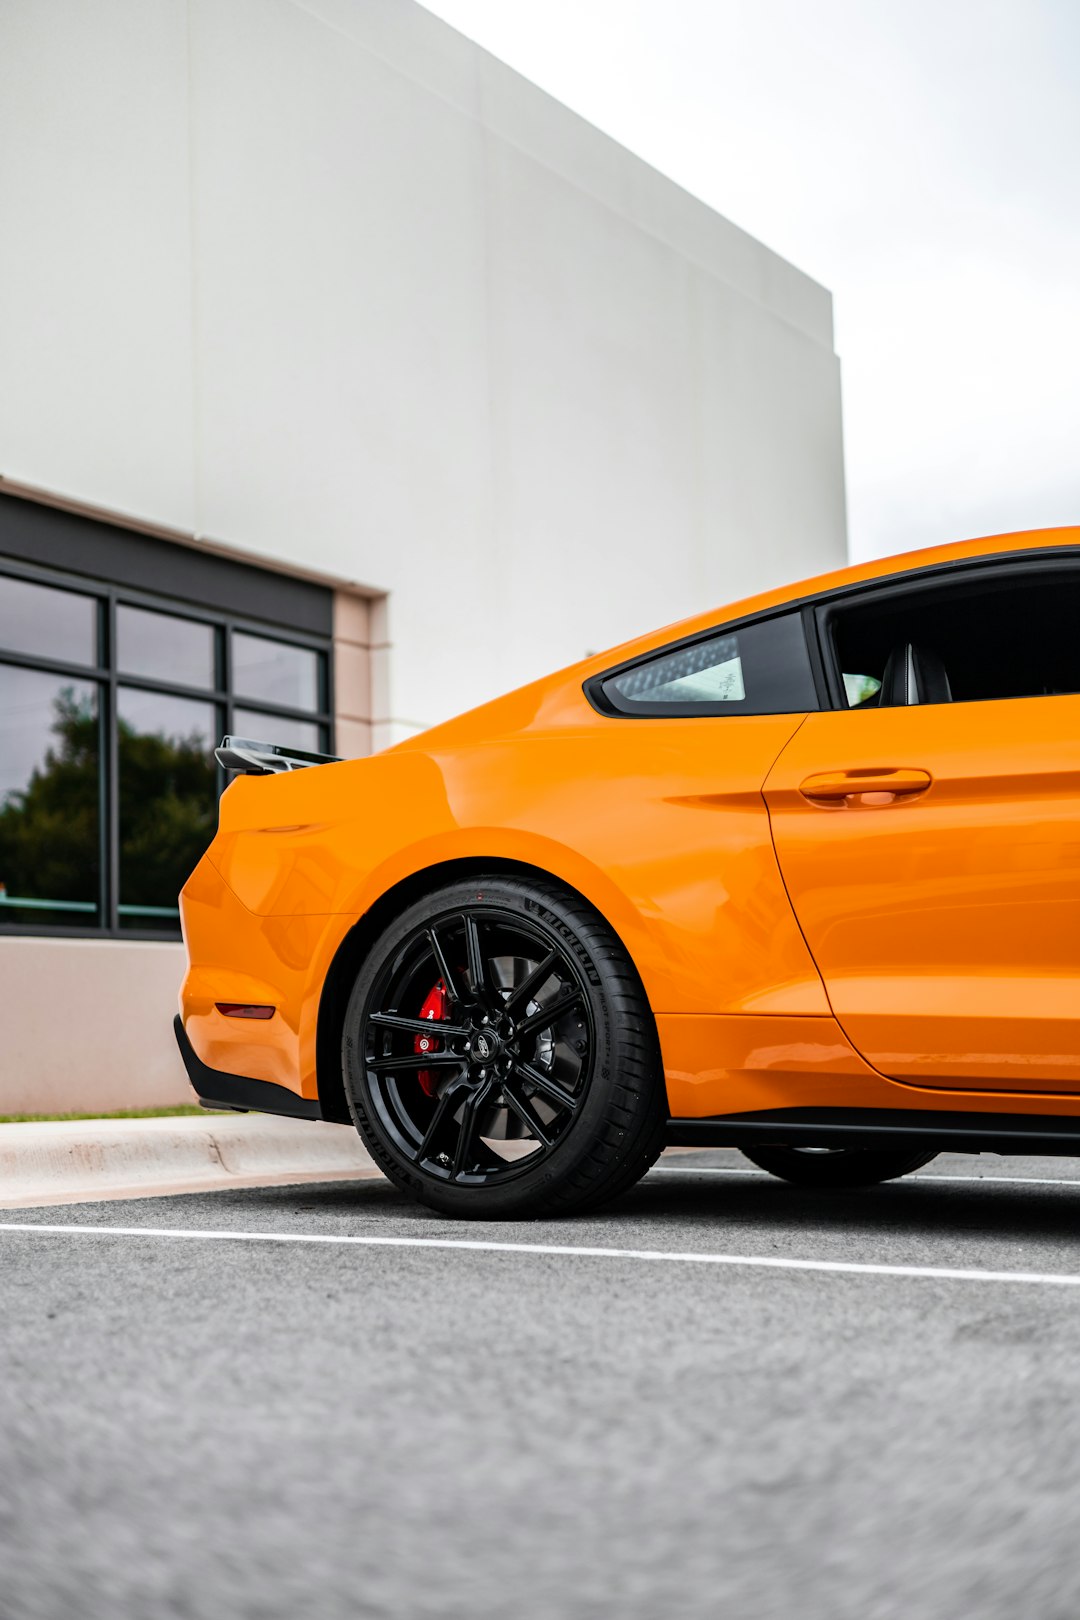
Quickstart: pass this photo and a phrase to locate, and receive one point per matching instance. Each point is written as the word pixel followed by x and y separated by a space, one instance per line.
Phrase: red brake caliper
pixel 435 1007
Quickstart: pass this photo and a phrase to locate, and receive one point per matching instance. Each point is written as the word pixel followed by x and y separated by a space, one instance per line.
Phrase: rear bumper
pixel 216 1089
pixel 236 956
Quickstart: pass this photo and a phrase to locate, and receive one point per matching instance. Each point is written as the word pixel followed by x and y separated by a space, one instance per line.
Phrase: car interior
pixel 1010 634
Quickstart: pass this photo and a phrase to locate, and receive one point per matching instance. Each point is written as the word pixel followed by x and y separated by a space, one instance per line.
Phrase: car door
pixel 931 847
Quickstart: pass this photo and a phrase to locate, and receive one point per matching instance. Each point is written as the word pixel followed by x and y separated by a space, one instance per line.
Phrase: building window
pixel 111 704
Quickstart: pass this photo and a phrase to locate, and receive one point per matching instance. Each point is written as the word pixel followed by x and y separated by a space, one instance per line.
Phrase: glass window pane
pixel 859 689
pixel 272 672
pixel 278 728
pixel 51 623
pixel 762 668
pixel 710 672
pixel 50 794
pixel 164 647
pixel 168 801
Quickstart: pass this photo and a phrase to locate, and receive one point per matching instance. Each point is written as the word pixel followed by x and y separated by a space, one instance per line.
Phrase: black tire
pixel 563 1063
pixel 837 1167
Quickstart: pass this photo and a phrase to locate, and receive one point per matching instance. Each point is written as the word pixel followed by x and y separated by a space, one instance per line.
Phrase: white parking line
pixel 582 1251
pixel 763 1175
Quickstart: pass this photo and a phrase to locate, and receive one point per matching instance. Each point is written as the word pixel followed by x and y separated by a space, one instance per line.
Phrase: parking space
pixel 722 1395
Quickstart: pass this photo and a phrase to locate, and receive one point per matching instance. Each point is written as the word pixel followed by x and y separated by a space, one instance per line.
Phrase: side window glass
pixel 711 672
pixel 760 668
pixel 861 690
pixel 1006 630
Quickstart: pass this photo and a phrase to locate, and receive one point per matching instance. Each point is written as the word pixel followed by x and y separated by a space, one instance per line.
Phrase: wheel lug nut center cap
pixel 484 1046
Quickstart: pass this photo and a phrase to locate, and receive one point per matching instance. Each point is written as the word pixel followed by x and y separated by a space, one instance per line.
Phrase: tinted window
pixel 1006 631
pixel 275 673
pixel 50 845
pixel 38 619
pixel 166 648
pixel 709 672
pixel 95 837
pixel 278 728
pixel 860 690
pixel 760 668
pixel 168 800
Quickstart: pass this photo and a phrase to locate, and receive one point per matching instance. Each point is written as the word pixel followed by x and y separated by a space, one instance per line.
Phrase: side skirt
pixel 884 1128
pixel 216 1089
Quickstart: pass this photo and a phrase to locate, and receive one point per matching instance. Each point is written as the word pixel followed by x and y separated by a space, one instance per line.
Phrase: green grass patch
pixel 117 1113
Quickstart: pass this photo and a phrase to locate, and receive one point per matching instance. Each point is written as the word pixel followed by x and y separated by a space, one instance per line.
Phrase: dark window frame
pixel 108 595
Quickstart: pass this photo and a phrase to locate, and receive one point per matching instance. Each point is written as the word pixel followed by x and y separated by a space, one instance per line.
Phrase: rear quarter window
pixel 757 668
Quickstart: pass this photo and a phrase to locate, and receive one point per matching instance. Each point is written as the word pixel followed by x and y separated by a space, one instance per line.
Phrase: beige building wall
pixel 361 655
pixel 87 1026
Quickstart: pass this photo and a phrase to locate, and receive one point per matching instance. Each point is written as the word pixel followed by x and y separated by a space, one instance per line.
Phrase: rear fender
pixel 527 850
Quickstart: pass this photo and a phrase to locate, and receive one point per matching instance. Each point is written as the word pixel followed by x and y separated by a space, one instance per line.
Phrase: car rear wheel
pixel 837 1167
pixel 499 1055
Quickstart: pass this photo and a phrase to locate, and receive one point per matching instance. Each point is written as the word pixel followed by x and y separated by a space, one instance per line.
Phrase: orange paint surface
pixel 912 938
pixel 946 924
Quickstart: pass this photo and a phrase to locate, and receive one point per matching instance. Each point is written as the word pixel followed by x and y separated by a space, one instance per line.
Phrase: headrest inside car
pixel 913 675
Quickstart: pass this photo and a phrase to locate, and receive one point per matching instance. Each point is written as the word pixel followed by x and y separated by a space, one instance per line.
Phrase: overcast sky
pixel 921 158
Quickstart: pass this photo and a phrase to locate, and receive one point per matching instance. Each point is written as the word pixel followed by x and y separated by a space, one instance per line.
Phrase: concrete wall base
pixel 87 1026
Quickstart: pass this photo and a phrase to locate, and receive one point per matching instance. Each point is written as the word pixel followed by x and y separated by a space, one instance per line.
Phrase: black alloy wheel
pixel 837 1168
pixel 499 1055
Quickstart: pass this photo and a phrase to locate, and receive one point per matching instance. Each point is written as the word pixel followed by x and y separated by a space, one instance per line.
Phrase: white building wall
pixel 327 284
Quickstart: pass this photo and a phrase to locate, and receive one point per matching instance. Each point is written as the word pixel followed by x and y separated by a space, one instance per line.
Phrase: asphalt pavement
pixel 682 1422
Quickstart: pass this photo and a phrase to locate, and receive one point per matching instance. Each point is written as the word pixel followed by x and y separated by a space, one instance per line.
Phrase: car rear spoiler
pixel 253 758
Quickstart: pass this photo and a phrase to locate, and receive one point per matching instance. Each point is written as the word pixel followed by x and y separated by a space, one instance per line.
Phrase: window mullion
pixel 329 699
pixel 225 680
pixel 227 674
pixel 104 903
pixel 112 772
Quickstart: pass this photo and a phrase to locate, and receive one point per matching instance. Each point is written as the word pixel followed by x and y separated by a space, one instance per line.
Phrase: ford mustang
pixel 801 877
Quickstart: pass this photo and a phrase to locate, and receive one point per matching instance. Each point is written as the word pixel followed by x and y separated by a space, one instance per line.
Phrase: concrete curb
pixel 72 1161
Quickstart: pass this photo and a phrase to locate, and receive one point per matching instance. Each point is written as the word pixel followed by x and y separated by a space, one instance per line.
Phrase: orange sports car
pixel 800 877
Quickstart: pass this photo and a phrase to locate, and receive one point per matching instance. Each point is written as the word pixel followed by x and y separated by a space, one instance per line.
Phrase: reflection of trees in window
pixel 49 846
pixel 49 841
pixel 168 812
pixel 111 703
